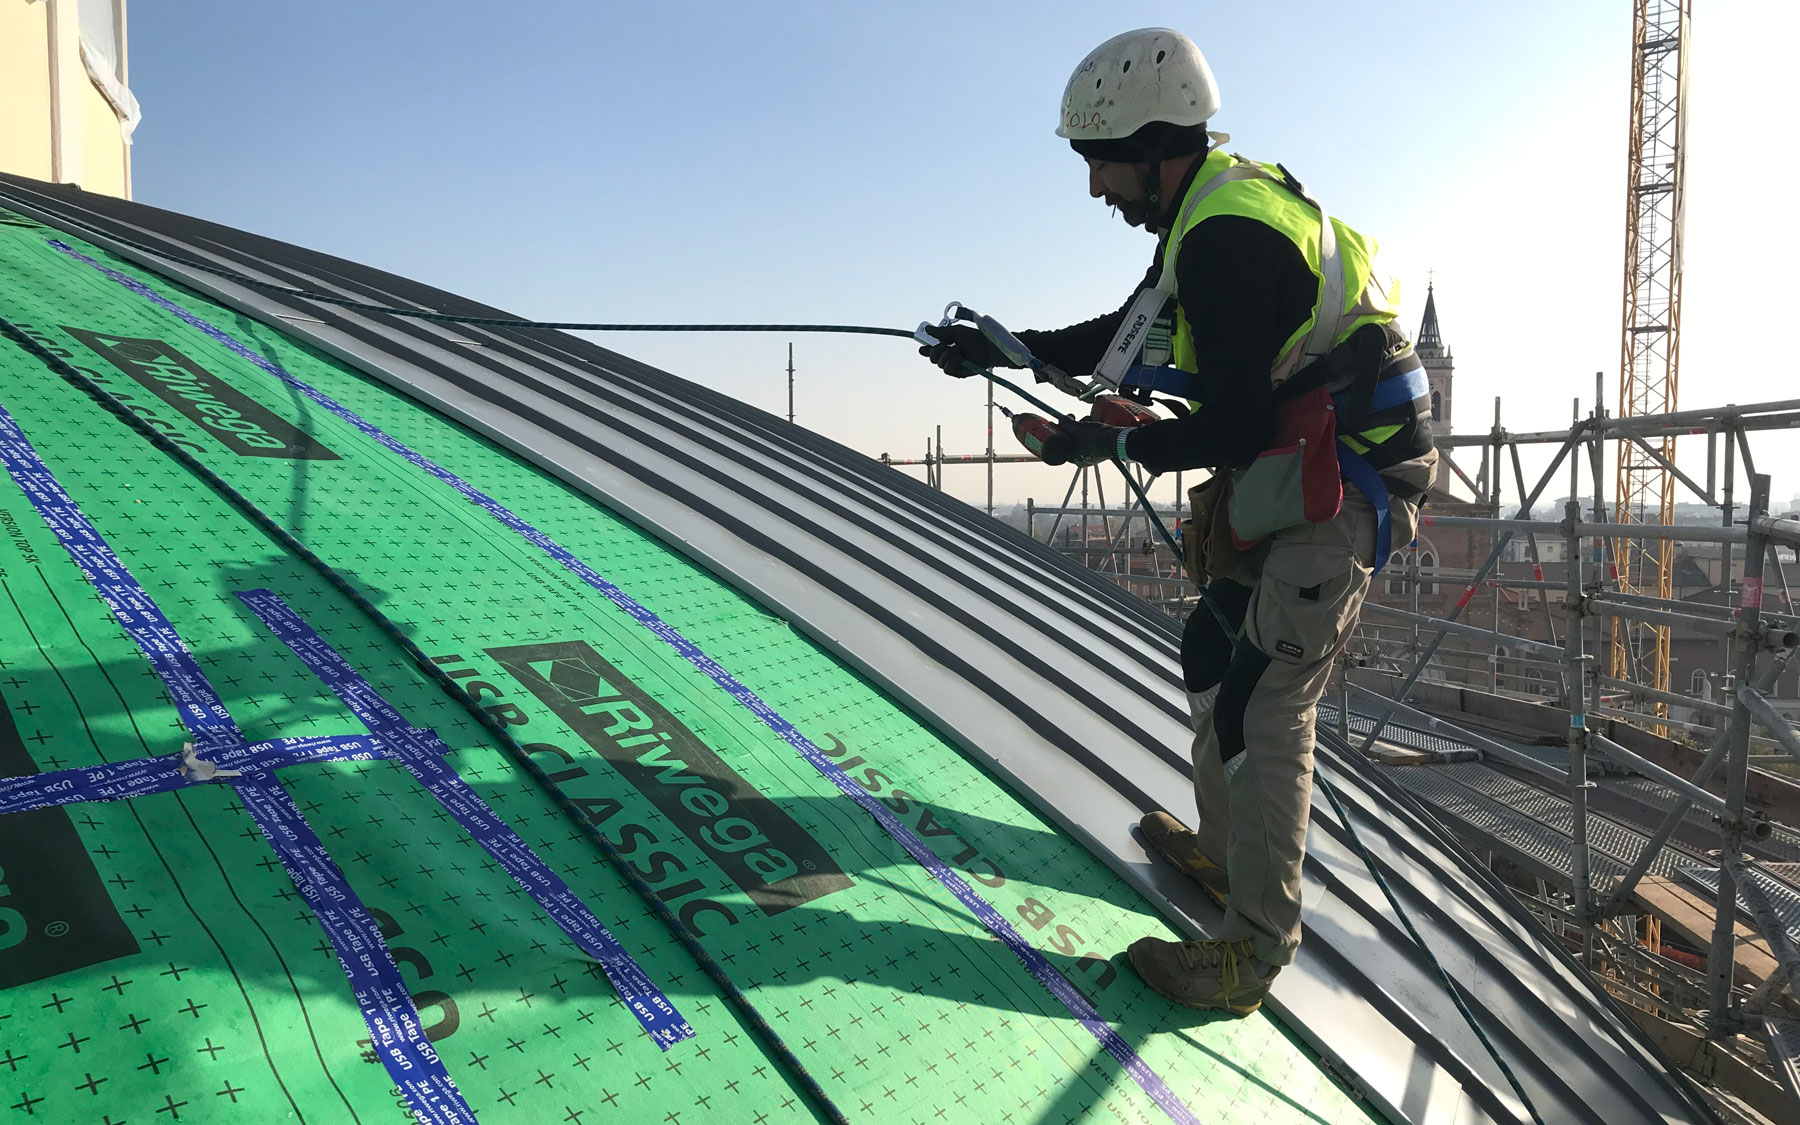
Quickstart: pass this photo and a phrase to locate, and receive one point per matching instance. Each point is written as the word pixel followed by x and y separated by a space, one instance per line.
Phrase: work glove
pixel 959 347
pixel 1083 442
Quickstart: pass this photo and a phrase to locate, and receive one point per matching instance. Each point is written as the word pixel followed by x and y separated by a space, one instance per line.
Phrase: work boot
pixel 1217 975
pixel 1180 845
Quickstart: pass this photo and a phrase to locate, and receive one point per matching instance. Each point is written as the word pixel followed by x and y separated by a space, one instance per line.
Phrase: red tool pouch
pixel 1296 480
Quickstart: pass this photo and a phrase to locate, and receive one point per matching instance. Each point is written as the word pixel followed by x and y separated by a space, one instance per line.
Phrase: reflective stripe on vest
pixel 1338 255
pixel 1341 258
pixel 1264 193
pixel 1128 342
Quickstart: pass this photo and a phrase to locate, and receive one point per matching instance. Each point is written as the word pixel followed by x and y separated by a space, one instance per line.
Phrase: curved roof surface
pixel 1033 711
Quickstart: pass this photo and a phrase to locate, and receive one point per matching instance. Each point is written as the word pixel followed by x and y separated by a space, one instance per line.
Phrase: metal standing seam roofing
pixel 1048 676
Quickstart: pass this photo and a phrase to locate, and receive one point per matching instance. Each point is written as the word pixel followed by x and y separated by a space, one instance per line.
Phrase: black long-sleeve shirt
pixel 1244 288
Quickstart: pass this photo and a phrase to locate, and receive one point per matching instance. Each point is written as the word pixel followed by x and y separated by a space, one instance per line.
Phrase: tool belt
pixel 1207 547
pixel 1297 479
pixel 1300 478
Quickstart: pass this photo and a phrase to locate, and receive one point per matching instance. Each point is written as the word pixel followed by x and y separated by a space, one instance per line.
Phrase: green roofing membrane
pixel 158 964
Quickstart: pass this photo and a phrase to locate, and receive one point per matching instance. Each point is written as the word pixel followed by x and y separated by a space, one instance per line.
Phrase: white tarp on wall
pixel 102 36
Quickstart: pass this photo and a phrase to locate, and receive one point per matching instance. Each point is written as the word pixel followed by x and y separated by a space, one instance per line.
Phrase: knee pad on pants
pixel 1205 649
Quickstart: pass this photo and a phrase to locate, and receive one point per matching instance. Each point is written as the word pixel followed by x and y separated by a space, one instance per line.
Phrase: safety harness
pixel 1138 360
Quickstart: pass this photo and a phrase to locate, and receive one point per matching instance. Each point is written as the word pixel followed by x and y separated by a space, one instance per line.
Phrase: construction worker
pixel 1309 405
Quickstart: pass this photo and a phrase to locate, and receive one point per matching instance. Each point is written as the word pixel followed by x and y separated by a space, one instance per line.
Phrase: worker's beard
pixel 1137 213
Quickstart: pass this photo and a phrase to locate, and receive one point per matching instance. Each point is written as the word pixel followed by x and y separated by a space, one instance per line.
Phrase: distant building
pixel 1439 549
pixel 66 110
pixel 1448 557
pixel 1439 367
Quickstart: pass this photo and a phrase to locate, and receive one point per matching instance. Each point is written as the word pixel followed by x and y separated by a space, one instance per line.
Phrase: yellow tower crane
pixel 1650 347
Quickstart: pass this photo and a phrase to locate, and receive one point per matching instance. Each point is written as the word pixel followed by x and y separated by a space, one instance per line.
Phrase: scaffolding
pixel 1567 667
pixel 1596 605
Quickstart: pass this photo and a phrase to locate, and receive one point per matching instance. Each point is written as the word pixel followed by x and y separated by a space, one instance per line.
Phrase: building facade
pixel 66 109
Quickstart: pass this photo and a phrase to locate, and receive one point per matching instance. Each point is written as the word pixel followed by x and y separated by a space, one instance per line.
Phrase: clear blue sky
pixel 866 163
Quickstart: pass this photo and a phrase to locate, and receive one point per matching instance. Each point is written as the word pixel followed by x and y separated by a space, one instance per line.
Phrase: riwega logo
pixel 55 915
pixel 239 422
pixel 758 846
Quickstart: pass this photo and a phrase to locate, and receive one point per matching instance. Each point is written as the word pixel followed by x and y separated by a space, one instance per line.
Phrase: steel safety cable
pixel 454 318
pixel 1450 985
pixel 683 933
pixel 576 326
pixel 1330 791
pixel 456 691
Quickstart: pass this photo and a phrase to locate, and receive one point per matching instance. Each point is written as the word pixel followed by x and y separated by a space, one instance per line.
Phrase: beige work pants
pixel 1292 604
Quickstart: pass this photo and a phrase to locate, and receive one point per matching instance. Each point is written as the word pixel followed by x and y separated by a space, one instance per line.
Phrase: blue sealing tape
pixel 396 1035
pixel 375 981
pixel 1035 962
pixel 422 753
pixel 140 777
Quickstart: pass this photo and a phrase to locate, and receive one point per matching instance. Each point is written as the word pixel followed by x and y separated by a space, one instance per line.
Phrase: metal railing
pixel 1563 664
pixel 1760 647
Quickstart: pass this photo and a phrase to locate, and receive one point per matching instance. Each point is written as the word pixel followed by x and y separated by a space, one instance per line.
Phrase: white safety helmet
pixel 1146 77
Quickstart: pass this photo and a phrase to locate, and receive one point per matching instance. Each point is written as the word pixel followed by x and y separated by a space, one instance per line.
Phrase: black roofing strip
pixel 537 343
pixel 1590 996
pixel 1488 906
pixel 1397 1014
pixel 1547 1078
pixel 1498 903
pixel 1426 824
pixel 1502 896
pixel 1479 953
pixel 701 437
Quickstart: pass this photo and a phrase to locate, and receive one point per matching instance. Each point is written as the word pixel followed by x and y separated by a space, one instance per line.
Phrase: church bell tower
pixel 1439 367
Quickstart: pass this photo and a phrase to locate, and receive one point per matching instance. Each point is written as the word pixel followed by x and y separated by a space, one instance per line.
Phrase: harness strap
pixel 1363 475
pixel 1163 379
pixel 1396 390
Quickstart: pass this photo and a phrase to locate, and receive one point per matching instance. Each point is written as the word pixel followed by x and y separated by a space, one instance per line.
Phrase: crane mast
pixel 1650 344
